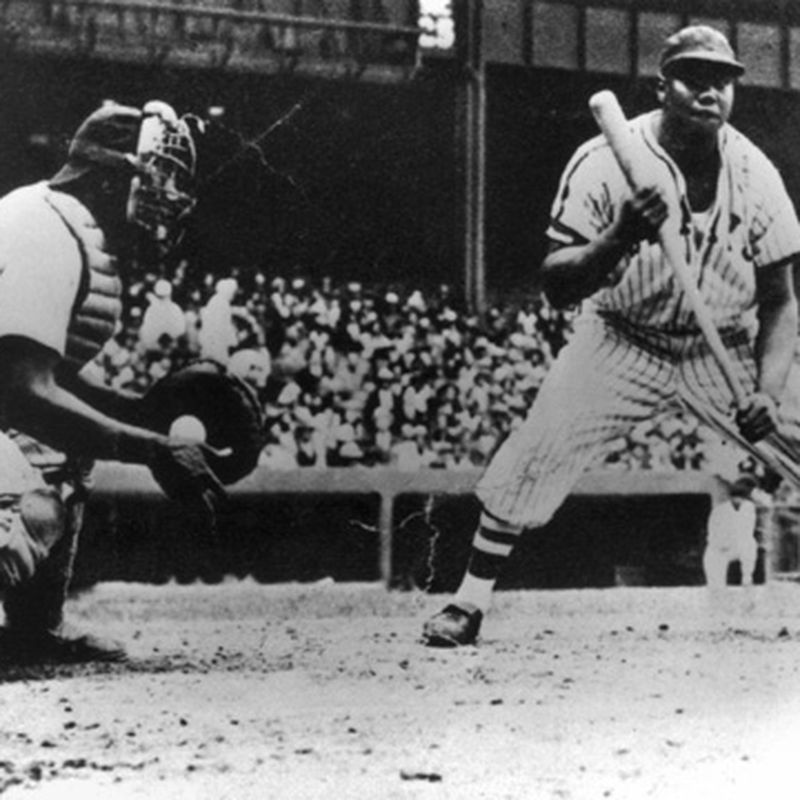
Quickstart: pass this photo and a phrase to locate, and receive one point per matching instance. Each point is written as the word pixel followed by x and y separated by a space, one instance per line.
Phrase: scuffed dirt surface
pixel 323 691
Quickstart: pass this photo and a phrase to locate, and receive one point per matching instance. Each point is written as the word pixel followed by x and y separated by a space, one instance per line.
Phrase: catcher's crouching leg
pixel 34 605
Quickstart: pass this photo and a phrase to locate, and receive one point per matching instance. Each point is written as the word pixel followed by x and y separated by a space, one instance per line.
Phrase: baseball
pixel 188 427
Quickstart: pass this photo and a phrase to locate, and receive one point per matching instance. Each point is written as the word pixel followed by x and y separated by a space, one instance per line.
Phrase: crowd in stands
pixel 354 375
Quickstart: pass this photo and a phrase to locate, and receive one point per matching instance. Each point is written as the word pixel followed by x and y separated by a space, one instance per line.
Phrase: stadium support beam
pixel 471 136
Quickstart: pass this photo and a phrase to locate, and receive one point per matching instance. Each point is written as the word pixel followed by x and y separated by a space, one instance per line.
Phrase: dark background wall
pixel 366 176
pixel 363 182
pixel 592 541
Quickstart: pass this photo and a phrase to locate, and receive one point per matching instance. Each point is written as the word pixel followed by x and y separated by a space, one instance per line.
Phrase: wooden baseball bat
pixel 606 109
pixel 609 116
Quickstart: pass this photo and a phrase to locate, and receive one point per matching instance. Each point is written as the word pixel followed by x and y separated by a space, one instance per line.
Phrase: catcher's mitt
pixel 226 406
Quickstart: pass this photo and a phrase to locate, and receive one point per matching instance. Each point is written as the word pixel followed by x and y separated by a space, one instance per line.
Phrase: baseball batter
pixel 637 345
pixel 128 173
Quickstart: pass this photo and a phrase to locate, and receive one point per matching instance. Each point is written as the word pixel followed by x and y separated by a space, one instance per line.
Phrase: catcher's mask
pixel 156 147
pixel 162 191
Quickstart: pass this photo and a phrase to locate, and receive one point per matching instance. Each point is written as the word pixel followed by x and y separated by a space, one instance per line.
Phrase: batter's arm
pixel 777 331
pixel 573 272
pixel 775 342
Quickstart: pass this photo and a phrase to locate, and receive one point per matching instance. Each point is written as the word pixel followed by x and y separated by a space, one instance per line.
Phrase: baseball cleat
pixel 453 626
pixel 63 646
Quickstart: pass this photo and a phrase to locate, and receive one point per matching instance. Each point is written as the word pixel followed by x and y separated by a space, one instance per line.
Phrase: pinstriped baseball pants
pixel 605 380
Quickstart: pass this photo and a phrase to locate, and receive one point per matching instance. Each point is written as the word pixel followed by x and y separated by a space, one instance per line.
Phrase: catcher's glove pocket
pixel 203 402
pixel 28 530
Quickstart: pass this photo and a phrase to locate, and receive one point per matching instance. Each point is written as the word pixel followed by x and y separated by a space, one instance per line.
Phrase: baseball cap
pixel 699 43
pixel 107 137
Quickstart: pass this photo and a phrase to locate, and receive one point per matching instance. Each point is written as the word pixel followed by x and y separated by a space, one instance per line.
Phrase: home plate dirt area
pixel 241 690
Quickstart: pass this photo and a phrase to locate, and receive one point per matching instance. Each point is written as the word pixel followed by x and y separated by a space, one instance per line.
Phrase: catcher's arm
pixel 35 404
pixel 117 403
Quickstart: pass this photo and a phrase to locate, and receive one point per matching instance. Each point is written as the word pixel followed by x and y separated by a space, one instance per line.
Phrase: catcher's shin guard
pixel 37 604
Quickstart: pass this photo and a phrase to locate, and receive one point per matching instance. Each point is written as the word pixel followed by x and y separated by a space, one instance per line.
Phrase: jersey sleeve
pixel 774 235
pixel 584 205
pixel 40 272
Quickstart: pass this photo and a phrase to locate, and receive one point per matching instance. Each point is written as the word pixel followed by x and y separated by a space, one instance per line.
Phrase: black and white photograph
pixel 399 399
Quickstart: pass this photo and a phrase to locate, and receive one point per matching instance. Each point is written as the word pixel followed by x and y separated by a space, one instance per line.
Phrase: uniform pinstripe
pixel 752 224
pixel 636 346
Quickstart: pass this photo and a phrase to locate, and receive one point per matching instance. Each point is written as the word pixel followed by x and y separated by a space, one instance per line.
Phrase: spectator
pixel 392 362
pixel 381 406
pixel 731 535
pixel 163 319
pixel 307 450
pixel 253 366
pixel 217 336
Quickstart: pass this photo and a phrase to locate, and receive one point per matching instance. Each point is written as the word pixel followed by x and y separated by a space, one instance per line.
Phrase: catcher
pixel 126 188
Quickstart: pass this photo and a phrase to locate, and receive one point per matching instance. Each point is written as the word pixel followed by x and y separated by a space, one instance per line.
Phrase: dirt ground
pixel 320 690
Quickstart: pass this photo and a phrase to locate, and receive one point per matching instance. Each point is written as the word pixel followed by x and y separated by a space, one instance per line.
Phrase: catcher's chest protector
pixel 98 307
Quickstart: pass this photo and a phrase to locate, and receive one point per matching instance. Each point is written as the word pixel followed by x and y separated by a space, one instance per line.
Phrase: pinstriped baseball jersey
pixel 751 224
pixel 636 345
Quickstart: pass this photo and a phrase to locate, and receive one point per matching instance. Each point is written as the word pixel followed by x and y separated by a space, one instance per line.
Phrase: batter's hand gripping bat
pixel 610 118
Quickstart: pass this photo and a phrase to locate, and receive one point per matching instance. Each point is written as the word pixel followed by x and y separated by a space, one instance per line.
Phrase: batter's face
pixel 698 96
